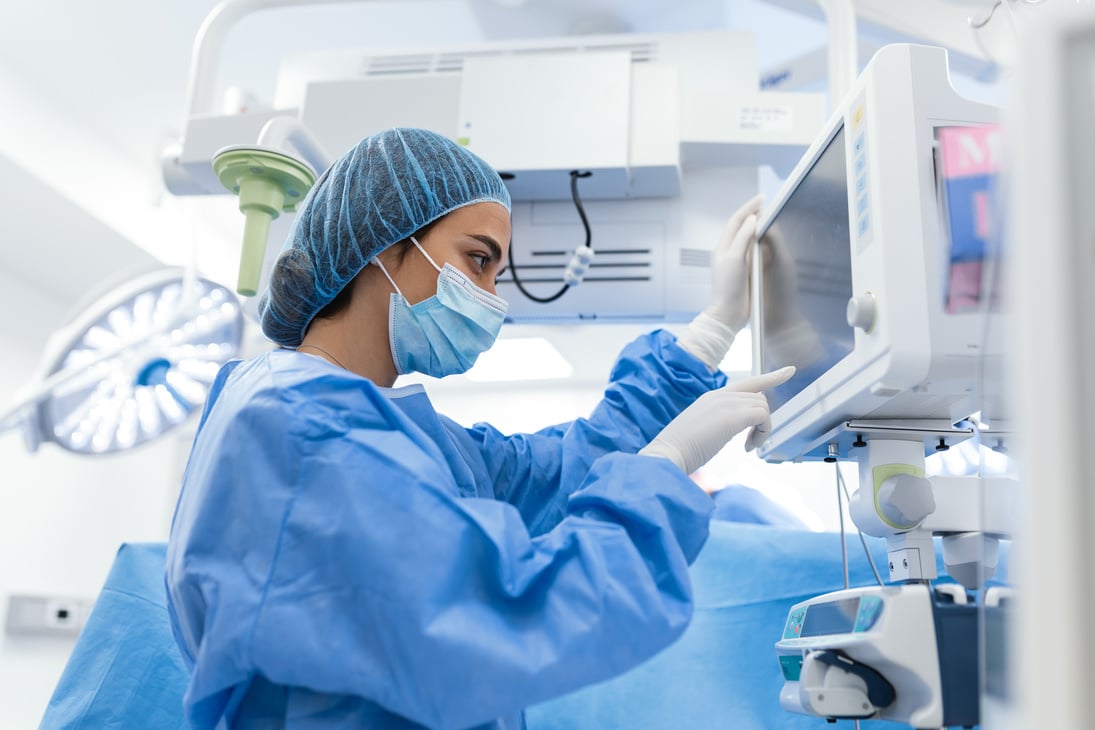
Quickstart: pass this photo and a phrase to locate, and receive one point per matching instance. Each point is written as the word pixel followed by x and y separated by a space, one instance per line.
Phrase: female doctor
pixel 343 556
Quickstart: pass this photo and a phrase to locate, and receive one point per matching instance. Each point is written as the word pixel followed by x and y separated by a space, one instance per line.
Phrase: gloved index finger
pixel 740 244
pixel 759 383
pixel 750 207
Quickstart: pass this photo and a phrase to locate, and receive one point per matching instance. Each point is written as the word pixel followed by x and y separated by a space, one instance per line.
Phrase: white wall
pixel 62 516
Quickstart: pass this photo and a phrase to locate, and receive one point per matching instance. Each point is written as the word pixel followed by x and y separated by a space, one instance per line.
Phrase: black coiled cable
pixel 574 175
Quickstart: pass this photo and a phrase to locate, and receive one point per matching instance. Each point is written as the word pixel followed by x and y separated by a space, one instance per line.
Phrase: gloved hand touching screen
pixel 711 333
pixel 705 427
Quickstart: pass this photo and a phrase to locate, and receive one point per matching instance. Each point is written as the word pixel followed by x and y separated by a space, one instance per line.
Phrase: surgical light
pixel 132 366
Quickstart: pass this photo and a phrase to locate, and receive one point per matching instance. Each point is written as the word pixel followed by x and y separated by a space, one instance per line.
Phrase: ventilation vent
pixel 450 62
pixel 453 62
pixel 397 65
pixel 609 265
pixel 543 50
pixel 640 52
pixel 695 257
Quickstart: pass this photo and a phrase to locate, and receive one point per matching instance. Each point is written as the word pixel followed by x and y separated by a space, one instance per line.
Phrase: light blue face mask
pixel 446 333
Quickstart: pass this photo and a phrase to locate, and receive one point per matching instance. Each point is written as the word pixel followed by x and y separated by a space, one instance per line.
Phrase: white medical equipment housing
pixel 671 125
pixel 857 282
pixel 889 668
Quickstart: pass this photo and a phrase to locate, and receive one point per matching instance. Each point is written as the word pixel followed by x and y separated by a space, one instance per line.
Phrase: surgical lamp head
pixel 386 188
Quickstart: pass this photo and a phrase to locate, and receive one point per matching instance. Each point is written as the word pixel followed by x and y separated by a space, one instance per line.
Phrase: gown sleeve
pixel 336 555
pixel 652 381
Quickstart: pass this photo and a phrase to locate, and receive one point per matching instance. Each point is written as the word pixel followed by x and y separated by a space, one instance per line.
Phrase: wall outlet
pixel 46 615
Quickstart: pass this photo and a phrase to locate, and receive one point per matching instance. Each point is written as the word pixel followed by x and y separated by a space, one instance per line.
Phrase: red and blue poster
pixel 970 162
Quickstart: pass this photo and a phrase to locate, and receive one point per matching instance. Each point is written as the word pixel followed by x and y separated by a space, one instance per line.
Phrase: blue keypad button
pixel 794 624
pixel 864 224
pixel 870 607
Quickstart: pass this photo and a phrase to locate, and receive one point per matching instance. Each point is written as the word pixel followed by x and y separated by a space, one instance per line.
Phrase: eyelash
pixel 481 259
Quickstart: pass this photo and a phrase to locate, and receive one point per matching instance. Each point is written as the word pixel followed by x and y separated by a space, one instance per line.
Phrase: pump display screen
pixel 806 276
pixel 834 617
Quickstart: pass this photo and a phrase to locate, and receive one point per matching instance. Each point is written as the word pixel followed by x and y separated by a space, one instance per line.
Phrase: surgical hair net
pixel 388 186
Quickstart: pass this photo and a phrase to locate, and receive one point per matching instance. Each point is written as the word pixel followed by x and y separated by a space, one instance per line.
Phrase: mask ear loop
pixel 388 276
pixel 391 316
pixel 384 271
pixel 423 251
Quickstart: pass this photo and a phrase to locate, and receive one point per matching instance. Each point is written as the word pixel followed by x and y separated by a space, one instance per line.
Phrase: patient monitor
pixel 871 260
pixel 873 275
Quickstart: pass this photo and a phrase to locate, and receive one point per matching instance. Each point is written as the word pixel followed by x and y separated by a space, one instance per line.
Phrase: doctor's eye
pixel 481 260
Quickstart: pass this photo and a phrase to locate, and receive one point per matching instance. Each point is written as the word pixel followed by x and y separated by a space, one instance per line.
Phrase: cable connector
pixel 578 266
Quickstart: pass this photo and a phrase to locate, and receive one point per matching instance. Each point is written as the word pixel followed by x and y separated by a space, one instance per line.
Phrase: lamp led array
pixel 135 364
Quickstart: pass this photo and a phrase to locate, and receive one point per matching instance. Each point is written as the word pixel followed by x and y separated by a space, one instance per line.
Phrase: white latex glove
pixel 705 427
pixel 711 333
pixel 730 267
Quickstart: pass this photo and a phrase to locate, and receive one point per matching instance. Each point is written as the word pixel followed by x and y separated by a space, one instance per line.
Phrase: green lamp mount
pixel 268 183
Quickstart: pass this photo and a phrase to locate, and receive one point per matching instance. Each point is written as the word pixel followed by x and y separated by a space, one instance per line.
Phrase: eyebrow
pixel 489 242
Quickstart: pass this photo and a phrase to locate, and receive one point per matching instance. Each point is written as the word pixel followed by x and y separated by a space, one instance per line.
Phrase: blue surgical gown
pixel 343 556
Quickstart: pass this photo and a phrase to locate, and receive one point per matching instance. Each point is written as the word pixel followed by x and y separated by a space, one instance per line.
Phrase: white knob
pixel 861 311
pixel 905 500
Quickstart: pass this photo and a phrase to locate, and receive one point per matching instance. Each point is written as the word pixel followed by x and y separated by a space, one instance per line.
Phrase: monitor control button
pixel 861 311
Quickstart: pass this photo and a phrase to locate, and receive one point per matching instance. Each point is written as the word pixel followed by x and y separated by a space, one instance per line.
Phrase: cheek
pixel 418 283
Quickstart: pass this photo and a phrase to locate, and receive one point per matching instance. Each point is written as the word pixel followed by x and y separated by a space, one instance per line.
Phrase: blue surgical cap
pixel 379 193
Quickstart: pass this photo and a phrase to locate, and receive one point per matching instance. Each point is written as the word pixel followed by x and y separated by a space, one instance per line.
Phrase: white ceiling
pixel 120 66
pixel 62 247
pixel 95 91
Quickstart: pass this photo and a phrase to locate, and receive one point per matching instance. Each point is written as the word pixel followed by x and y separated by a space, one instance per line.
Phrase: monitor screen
pixel 806 276
pixel 834 617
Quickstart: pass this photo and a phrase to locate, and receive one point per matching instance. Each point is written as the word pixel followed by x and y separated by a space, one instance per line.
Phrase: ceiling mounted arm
pixel 843 48
pixel 210 38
